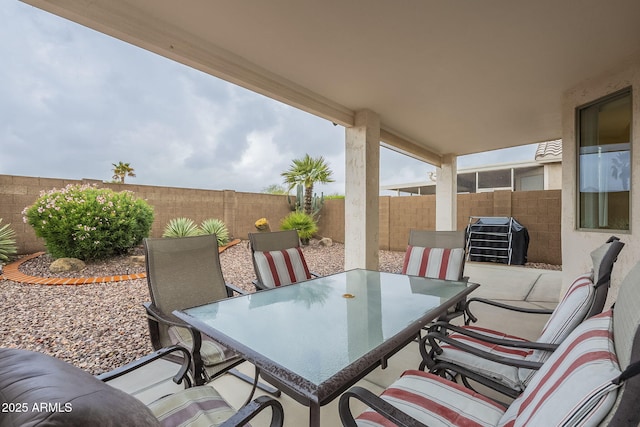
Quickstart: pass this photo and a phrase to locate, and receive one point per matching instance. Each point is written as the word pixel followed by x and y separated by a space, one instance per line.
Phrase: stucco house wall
pixel 576 244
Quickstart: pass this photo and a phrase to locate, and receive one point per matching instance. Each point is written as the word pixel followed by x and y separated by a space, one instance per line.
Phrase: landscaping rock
pixel 326 242
pixel 62 265
pixel 137 260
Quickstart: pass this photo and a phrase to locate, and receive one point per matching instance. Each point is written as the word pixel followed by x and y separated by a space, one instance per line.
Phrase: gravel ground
pixel 99 327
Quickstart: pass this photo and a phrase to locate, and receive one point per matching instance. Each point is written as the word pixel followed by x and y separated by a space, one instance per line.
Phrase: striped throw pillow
pixel 574 387
pixel 436 263
pixel 278 268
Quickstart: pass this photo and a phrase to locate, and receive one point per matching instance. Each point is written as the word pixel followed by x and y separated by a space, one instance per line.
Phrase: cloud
pixel 74 101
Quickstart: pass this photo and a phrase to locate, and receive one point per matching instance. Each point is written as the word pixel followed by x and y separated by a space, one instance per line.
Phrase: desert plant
pixel 303 223
pixel 298 203
pixel 86 222
pixel 181 227
pixel 8 246
pixel 217 227
pixel 122 170
pixel 307 171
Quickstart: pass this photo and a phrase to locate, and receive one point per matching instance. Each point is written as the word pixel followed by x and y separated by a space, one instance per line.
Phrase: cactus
pixel 297 205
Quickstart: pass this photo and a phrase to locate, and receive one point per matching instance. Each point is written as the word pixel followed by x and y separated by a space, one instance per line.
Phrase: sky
pixel 74 101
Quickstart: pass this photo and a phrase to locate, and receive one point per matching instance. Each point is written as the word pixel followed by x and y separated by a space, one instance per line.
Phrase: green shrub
pixel 217 227
pixel 303 223
pixel 7 242
pixel 181 227
pixel 86 222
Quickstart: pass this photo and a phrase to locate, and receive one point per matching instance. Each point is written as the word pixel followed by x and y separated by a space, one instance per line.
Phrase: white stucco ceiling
pixel 445 76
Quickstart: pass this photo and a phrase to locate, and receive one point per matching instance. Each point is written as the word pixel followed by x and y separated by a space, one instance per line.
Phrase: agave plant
pixel 181 227
pixel 7 242
pixel 217 227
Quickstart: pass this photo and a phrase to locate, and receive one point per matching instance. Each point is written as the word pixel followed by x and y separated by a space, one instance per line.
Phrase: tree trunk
pixel 308 195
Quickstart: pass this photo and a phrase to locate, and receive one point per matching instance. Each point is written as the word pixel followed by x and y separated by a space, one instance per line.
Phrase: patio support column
pixel 362 176
pixel 446 194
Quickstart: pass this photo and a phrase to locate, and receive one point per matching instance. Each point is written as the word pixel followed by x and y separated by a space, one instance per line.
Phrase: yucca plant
pixel 217 227
pixel 7 242
pixel 303 223
pixel 181 227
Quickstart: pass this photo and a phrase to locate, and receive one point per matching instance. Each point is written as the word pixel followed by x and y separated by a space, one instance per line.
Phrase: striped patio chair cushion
pixel 574 387
pixel 504 374
pixel 569 313
pixel 435 402
pixel 436 263
pixel 278 268
pixel 212 353
pixel 193 407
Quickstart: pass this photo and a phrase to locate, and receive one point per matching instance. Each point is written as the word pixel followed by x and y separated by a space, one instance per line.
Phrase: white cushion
pixel 436 263
pixel 279 268
pixel 504 374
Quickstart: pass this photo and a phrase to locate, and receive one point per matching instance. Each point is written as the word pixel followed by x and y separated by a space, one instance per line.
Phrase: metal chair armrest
pixel 444 326
pixel 145 360
pixel 253 408
pixel 155 314
pixel 472 318
pixel 231 288
pixel 374 402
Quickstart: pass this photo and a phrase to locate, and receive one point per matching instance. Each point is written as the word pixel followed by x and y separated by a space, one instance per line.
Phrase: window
pixel 604 166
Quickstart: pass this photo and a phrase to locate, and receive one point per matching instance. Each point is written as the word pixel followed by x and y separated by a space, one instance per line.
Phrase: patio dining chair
pixel 278 259
pixel 507 363
pixel 41 390
pixel 591 379
pixel 437 255
pixel 182 273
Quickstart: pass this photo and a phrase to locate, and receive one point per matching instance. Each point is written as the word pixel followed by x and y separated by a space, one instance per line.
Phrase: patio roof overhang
pixel 445 77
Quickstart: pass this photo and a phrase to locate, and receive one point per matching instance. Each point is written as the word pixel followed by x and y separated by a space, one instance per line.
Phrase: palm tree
pixel 307 171
pixel 122 170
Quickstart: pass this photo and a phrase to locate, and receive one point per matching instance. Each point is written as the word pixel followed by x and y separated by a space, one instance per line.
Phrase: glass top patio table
pixel 318 337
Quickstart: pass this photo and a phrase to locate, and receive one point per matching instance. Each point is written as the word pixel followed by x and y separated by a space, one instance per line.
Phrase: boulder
pixel 325 241
pixel 137 260
pixel 63 265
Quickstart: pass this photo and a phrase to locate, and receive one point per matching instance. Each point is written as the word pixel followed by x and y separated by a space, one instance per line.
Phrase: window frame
pixel 627 91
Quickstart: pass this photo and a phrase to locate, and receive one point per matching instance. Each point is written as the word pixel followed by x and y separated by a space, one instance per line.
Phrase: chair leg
pixel 264 387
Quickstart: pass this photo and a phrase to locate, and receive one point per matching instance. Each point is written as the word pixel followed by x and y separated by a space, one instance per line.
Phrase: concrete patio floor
pixel 511 284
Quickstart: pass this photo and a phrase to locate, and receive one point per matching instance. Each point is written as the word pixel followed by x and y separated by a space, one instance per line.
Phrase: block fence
pixel 539 211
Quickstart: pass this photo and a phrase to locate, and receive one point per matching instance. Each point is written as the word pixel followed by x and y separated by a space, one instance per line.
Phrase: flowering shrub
pixel 86 222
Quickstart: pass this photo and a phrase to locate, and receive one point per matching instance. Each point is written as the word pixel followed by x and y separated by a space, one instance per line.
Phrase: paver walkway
pixel 11 272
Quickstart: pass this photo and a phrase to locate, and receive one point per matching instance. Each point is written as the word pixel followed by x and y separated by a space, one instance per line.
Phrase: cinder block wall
pixel 239 211
pixel 539 211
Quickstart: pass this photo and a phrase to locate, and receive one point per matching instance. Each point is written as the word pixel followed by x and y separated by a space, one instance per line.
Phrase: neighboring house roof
pixel 550 151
